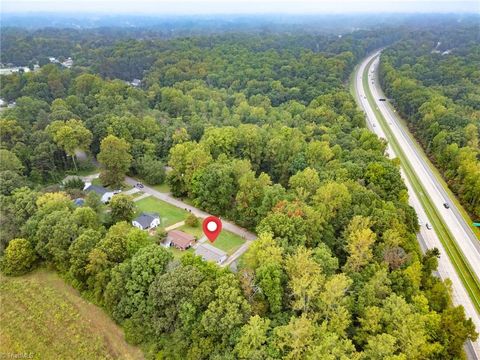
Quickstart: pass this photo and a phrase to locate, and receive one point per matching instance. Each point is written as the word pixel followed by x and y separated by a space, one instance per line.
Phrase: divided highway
pixel 428 190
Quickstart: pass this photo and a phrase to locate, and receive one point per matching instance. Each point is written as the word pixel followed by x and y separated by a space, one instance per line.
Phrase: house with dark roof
pixel 179 239
pixel 105 194
pixel 146 221
pixel 211 253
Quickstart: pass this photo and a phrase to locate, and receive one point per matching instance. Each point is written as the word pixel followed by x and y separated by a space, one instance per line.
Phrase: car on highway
pixel 428 226
pixel 446 205
pixel 382 99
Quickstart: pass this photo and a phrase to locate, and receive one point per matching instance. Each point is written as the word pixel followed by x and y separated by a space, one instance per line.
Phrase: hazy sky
pixel 153 7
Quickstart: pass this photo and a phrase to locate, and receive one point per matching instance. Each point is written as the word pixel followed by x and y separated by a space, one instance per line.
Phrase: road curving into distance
pixel 459 247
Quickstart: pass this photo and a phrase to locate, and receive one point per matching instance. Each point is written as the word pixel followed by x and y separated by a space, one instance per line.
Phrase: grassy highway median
pixel 464 271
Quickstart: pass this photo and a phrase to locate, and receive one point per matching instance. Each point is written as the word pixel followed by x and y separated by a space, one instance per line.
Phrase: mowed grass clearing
pixel 137 194
pixel 169 214
pixel 226 241
pixel 45 318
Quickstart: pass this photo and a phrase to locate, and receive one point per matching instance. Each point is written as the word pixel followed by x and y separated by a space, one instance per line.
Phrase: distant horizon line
pixel 307 14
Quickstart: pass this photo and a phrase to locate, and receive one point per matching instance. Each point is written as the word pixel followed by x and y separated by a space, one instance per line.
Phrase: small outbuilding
pixel 79 202
pixel 146 221
pixel 179 239
pixel 211 253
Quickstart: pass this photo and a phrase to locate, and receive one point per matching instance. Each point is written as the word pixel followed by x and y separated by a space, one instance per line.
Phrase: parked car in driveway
pixel 140 185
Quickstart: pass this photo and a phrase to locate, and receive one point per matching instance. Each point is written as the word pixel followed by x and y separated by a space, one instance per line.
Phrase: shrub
pixel 160 235
pixel 19 257
pixel 74 183
pixel 133 331
pixel 191 220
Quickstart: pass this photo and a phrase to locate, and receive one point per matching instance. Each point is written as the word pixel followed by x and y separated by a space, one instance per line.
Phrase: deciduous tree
pixel 116 160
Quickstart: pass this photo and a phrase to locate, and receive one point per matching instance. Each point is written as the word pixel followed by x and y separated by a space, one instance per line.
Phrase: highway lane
pixel 427 238
pixel 460 230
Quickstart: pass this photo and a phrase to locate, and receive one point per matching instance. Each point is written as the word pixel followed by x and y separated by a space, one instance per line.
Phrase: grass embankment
pixel 44 318
pixel 461 265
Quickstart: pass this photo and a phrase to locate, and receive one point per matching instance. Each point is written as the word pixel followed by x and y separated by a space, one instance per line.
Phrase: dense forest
pixel 434 81
pixel 260 130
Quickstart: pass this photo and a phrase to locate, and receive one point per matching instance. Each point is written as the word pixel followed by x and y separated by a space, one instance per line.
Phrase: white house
pixel 68 63
pixel 136 82
pixel 146 221
pixel 211 253
pixel 105 194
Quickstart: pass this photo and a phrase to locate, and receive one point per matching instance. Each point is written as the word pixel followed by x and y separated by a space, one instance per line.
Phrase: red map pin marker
pixel 212 226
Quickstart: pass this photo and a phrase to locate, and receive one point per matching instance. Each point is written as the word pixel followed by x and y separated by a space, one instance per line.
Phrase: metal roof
pixel 181 238
pixel 209 252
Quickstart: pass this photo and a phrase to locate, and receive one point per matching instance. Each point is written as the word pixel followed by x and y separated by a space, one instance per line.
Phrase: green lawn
pixel 137 194
pixel 42 317
pixel 97 182
pixel 455 254
pixel 169 214
pixel 84 172
pixel 163 188
pixel 178 253
pixel 226 241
